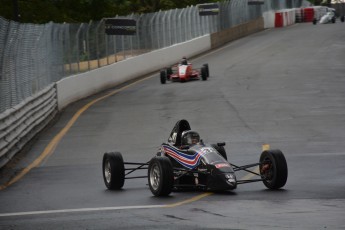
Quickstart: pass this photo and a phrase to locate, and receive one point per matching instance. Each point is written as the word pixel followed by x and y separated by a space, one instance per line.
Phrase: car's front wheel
pixel 273 169
pixel 113 170
pixel 163 76
pixel 160 176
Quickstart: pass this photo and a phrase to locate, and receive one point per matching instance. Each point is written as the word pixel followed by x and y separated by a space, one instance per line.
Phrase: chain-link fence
pixel 33 56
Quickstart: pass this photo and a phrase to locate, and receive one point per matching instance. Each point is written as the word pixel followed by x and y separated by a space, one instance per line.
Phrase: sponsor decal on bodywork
pixel 187 160
pixel 222 165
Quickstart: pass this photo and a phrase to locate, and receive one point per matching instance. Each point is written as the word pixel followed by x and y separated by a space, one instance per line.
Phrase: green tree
pixel 43 11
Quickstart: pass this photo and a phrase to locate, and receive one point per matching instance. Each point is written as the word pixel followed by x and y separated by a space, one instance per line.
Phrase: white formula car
pixel 329 17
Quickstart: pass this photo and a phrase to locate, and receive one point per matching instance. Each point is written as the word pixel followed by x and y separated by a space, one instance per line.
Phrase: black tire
pixel 273 169
pixel 314 21
pixel 220 150
pixel 160 176
pixel 113 170
pixel 169 73
pixel 163 76
pixel 203 73
pixel 207 70
pixel 342 18
pixel 333 20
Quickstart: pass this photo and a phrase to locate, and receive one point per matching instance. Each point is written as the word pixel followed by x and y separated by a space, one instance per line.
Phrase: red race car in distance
pixel 184 72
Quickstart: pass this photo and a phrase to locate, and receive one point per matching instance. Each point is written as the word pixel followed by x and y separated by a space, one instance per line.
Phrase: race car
pixel 186 162
pixel 329 17
pixel 183 72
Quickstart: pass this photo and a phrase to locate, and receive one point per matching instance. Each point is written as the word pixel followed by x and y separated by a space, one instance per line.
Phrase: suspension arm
pixel 141 166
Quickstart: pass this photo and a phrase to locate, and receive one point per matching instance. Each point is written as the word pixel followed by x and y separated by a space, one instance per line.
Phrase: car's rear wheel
pixel 273 169
pixel 160 176
pixel 203 73
pixel 113 170
pixel 163 76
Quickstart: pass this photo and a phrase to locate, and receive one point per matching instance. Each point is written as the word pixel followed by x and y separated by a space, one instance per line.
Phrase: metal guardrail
pixel 21 123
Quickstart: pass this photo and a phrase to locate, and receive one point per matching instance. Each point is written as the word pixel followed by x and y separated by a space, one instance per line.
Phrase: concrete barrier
pixel 279 20
pixel 73 88
pixel 220 38
pixel 285 18
pixel 308 14
pixel 269 19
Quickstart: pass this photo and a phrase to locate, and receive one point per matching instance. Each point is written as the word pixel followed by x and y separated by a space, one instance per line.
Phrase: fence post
pixel 77 39
pixel 97 43
pixel 180 24
pixel 152 29
pixel 164 28
pixel 88 45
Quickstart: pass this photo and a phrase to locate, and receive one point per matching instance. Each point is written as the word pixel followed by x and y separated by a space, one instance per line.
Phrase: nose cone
pixel 324 20
pixel 222 181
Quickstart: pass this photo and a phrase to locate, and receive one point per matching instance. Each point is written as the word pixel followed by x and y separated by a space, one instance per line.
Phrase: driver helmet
pixel 190 137
pixel 184 61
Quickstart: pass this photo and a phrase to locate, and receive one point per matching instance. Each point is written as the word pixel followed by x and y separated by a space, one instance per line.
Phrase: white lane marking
pixel 80 210
pixel 324 154
pixel 247 177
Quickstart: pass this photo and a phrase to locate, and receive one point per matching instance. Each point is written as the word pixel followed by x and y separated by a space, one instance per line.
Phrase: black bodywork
pixel 198 166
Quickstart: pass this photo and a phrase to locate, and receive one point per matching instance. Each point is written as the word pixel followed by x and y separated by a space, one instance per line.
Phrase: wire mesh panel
pixel 4 79
pixel 34 56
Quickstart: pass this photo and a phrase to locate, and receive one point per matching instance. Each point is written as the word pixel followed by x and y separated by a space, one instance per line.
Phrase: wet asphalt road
pixel 282 87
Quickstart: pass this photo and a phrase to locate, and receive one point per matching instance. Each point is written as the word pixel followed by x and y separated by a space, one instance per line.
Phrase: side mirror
pixel 221 144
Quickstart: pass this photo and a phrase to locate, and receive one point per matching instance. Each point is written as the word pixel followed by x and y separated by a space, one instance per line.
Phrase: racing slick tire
pixel 220 150
pixel 207 69
pixel 203 73
pixel 273 169
pixel 160 176
pixel 163 76
pixel 113 170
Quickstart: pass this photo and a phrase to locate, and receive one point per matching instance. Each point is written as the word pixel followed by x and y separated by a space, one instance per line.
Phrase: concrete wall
pixel 73 88
pixel 220 38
